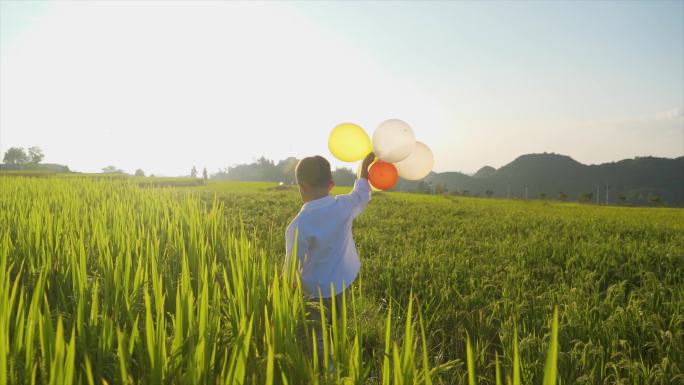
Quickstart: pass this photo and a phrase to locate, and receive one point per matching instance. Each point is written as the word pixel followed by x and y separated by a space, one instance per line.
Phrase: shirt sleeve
pixel 291 234
pixel 359 197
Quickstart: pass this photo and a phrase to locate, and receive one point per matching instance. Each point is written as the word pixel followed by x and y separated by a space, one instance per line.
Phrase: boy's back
pixel 325 247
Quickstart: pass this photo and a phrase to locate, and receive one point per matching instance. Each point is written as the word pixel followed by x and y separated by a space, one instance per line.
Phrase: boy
pixel 325 247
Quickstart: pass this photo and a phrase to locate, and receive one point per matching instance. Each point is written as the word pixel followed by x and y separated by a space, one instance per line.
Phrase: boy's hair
pixel 314 171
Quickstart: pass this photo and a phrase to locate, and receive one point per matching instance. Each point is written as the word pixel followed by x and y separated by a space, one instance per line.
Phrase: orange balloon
pixel 382 175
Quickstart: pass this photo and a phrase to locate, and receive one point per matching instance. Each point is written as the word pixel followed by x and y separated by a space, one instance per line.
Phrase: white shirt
pixel 325 247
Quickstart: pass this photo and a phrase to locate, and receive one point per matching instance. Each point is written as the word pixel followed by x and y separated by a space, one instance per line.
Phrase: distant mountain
pixel 485 172
pixel 640 180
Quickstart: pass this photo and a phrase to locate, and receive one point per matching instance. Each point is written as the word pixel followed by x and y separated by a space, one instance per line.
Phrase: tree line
pixel 19 156
pixel 266 170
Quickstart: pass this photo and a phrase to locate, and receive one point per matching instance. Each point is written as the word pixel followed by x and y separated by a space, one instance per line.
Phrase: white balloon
pixel 393 140
pixel 418 165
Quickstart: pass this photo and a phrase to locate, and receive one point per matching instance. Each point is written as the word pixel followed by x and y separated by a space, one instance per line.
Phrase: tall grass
pixel 106 281
pixel 102 281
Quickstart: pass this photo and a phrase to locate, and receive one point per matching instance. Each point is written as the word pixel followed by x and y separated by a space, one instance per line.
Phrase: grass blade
pixel 470 361
pixel 551 367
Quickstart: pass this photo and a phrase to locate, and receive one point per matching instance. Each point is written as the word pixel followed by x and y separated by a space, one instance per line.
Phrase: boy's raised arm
pixel 360 195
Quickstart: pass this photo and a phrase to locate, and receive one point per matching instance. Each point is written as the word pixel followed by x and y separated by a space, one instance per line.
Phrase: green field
pixel 143 281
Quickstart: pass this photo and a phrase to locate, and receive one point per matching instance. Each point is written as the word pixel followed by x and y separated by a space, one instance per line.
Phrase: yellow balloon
pixel 349 142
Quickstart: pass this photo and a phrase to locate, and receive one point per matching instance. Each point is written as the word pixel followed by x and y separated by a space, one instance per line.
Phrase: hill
pixel 641 180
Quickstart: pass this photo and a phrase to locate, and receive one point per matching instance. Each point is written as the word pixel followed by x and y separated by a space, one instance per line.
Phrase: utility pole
pixel 607 187
pixel 598 191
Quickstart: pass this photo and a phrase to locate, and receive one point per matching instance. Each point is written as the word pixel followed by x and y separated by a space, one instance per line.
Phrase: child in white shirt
pixel 325 248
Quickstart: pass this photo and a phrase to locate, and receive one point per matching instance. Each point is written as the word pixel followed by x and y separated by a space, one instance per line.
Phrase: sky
pixel 164 86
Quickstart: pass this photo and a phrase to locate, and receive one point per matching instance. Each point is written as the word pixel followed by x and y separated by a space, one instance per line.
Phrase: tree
pixel 489 193
pixel 542 196
pixel 586 197
pixel 35 155
pixel 205 176
pixel 562 196
pixel 654 199
pixel 622 198
pixel 465 193
pixel 111 170
pixel 139 172
pixel 423 188
pixel 193 172
pixel 16 155
pixel 441 188
pixel 286 170
pixel 343 176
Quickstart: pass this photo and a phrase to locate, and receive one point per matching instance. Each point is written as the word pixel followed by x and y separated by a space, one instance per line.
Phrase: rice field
pixel 118 281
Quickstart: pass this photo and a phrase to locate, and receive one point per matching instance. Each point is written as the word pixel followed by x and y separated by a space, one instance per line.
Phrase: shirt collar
pixel 320 202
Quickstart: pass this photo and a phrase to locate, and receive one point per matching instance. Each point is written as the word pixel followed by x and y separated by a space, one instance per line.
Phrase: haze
pixel 164 86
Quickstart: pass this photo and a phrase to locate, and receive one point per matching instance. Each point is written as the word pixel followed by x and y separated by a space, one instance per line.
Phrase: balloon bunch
pixel 395 146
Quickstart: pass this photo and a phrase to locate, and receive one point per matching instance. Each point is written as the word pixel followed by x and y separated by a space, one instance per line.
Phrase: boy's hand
pixel 366 163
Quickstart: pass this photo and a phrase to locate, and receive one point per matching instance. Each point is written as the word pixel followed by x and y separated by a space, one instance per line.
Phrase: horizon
pixel 199 169
pixel 599 82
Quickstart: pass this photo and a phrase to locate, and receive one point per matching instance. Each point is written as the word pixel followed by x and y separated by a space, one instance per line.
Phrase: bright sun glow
pixel 165 86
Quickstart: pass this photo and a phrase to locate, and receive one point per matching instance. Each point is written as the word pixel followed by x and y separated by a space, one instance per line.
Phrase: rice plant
pixel 104 280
